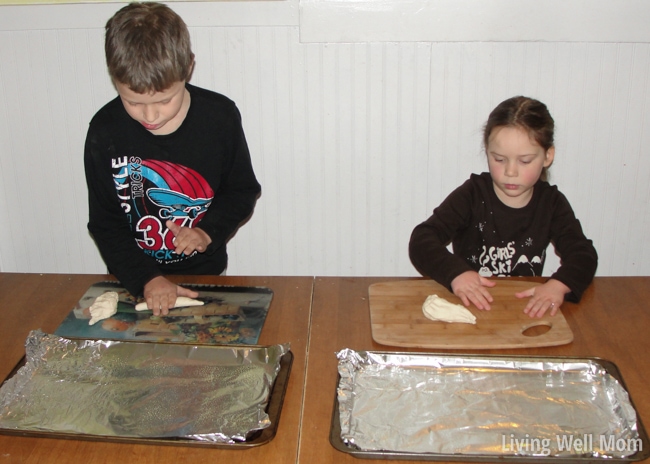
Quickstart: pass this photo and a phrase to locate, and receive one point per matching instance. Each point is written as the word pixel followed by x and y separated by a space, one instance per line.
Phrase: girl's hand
pixel 160 295
pixel 470 287
pixel 549 295
pixel 188 240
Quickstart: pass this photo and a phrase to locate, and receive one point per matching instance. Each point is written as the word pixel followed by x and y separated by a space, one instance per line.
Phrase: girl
pixel 500 223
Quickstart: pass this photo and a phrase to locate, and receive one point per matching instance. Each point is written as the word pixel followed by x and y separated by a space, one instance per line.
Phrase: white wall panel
pixel 354 144
pixel 91 14
pixel 50 88
pixel 474 20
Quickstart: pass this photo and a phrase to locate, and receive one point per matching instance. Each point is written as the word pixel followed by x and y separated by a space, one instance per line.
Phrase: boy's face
pixel 159 112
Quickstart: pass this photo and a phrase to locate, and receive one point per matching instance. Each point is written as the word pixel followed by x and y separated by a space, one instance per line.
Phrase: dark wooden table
pixel 612 321
pixel 41 301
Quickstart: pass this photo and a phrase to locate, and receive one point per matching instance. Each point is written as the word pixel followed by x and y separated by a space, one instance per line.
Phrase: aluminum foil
pixel 128 389
pixel 483 406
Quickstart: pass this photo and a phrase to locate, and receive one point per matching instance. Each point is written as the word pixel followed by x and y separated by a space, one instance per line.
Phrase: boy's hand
pixel 549 295
pixel 187 240
pixel 160 295
pixel 470 287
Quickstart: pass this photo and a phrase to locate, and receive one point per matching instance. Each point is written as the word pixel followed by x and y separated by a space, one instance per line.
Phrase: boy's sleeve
pixel 579 258
pixel 429 240
pixel 238 191
pixel 108 224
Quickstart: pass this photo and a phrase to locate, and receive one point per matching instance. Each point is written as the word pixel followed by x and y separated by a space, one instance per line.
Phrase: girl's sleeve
pixel 429 240
pixel 578 256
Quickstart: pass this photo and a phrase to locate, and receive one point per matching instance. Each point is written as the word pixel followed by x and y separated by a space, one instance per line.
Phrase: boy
pixel 167 165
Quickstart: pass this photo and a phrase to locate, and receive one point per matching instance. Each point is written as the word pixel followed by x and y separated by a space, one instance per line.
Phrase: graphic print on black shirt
pixel 507 244
pixel 510 259
pixel 152 192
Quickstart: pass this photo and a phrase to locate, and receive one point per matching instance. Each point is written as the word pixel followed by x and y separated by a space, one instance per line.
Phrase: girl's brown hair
pixel 526 113
pixel 148 47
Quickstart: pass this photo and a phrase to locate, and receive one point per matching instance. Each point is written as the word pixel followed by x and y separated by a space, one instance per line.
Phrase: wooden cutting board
pixel 397 320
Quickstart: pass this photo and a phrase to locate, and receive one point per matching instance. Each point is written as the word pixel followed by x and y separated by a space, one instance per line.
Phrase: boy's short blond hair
pixel 148 47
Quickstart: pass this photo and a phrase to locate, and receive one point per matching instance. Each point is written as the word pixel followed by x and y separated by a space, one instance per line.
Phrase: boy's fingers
pixel 182 291
pixel 175 228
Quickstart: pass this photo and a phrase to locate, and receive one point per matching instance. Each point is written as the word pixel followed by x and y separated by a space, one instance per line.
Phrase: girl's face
pixel 515 161
pixel 158 112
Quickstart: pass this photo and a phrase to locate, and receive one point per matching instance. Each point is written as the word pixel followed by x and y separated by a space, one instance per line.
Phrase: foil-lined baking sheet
pixel 406 405
pixel 139 389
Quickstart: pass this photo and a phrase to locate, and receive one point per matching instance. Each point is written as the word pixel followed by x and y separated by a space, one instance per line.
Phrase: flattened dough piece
pixel 439 309
pixel 181 302
pixel 104 306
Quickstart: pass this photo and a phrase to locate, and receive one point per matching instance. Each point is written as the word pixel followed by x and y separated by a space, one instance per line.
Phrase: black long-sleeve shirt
pixel 496 240
pixel 199 175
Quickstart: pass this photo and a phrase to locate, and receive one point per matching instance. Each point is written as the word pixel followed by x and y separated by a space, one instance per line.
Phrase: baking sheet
pixel 484 408
pixel 228 397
